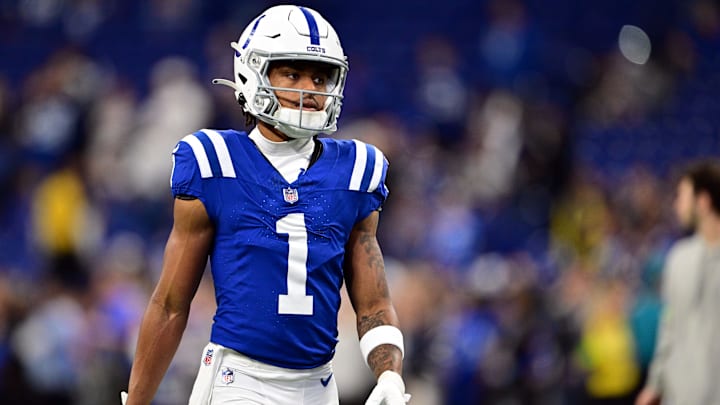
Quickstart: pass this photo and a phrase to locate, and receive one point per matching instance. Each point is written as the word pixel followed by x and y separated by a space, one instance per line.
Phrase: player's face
pixel 685 204
pixel 300 76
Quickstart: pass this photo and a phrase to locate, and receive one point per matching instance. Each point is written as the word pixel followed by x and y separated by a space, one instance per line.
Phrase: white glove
pixel 123 397
pixel 390 390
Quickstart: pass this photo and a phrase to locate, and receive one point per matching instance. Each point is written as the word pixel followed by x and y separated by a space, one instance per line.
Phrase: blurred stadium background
pixel 532 147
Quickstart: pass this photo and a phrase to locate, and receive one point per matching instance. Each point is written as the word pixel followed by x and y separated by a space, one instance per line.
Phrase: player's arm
pixel 651 394
pixel 167 312
pixel 380 339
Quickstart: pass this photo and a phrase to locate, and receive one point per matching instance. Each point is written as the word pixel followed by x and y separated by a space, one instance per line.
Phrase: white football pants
pixel 227 377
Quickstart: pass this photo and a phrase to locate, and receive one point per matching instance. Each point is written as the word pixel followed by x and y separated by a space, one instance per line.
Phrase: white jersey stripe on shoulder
pixel 200 155
pixel 359 167
pixel 221 149
pixel 377 170
pixel 172 172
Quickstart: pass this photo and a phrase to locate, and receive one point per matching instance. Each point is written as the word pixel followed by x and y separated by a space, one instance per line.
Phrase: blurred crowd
pixel 531 178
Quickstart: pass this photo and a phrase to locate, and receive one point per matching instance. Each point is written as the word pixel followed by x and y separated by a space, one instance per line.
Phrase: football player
pixel 285 217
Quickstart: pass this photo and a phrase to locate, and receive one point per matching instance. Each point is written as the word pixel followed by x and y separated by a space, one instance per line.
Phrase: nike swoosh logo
pixel 326 381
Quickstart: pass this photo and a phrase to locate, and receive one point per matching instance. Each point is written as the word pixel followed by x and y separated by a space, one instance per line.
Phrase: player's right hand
pixel 648 396
pixel 390 390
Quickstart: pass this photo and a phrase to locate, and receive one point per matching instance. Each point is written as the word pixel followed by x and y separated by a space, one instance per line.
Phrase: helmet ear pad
pixel 240 96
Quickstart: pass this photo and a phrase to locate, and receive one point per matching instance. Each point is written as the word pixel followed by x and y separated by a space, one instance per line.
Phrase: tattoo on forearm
pixel 375 261
pixel 381 358
pixel 367 256
pixel 367 322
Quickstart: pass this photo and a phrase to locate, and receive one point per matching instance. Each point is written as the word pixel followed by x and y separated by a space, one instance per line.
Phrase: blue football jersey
pixel 278 250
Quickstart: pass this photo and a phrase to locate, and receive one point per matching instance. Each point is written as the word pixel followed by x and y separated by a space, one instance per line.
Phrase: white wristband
pixel 381 335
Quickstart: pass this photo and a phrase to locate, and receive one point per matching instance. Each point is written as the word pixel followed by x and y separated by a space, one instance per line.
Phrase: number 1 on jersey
pixel 296 301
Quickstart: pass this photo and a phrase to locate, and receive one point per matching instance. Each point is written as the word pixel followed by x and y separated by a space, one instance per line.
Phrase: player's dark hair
pixel 705 177
pixel 250 119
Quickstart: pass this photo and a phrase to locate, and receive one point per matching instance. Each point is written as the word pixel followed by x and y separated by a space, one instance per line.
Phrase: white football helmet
pixel 288 33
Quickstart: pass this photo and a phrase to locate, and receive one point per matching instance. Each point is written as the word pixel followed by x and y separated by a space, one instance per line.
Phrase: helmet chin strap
pixel 289 122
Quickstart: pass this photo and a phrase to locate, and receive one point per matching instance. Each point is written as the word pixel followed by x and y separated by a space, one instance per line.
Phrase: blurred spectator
pixel 506 49
pixel 441 93
pixel 59 213
pixel 177 103
pixel 607 350
pixel 687 347
pixel 49 343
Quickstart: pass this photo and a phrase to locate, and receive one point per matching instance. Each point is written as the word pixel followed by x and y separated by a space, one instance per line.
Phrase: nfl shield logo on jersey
pixel 290 195
pixel 207 360
pixel 228 376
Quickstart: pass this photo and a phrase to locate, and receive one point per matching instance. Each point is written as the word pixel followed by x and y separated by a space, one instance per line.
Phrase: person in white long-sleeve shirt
pixel 686 364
